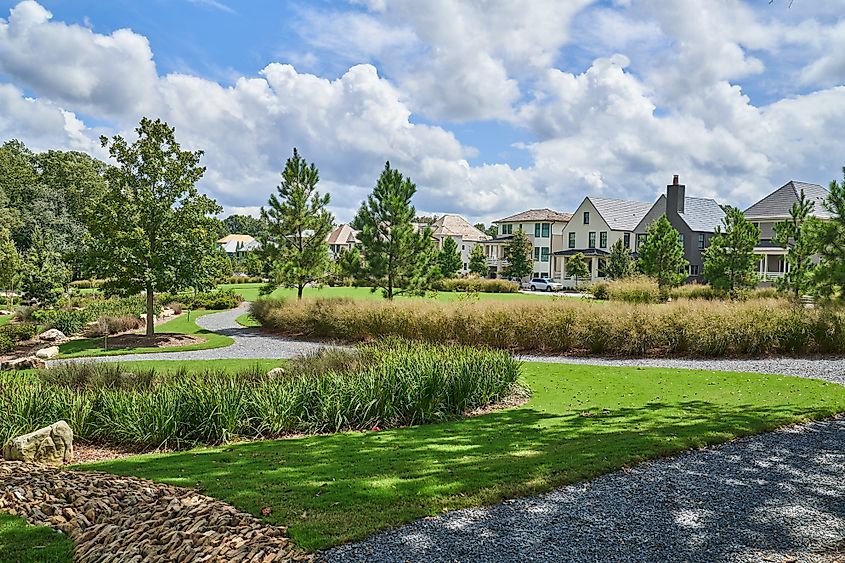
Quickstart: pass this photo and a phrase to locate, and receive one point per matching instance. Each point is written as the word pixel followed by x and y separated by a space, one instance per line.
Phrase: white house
pixel 238 245
pixel 343 237
pixel 465 235
pixel 544 228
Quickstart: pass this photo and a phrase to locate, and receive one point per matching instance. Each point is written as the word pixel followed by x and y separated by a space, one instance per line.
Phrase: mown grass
pixel 87 347
pixel 5 319
pixel 23 543
pixel 341 487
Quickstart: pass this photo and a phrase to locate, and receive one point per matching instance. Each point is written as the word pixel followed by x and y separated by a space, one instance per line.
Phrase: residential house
pixel 544 228
pixel 773 209
pixel 465 235
pixel 595 226
pixel 238 245
pixel 343 237
pixel 694 218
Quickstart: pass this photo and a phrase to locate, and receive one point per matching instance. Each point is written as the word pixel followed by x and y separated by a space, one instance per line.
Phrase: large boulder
pixel 52 445
pixel 29 362
pixel 47 353
pixel 52 335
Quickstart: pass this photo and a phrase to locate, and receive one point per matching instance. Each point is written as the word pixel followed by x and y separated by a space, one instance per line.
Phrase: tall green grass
pixel 685 327
pixel 389 384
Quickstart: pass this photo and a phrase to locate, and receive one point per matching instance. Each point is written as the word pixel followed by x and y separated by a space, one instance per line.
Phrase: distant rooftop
pixel 456 226
pixel 544 214
pixel 777 203
pixel 620 214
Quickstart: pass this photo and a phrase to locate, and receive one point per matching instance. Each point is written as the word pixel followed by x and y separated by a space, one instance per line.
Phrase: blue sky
pixel 491 108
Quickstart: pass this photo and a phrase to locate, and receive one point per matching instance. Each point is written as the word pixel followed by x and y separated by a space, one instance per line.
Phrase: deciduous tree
pixel 519 254
pixel 298 223
pixel 576 266
pixel 729 261
pixel 44 277
pixel 661 256
pixel 10 264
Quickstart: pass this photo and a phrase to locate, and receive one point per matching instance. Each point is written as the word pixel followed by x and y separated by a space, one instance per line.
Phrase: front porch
pixel 771 263
pixel 595 258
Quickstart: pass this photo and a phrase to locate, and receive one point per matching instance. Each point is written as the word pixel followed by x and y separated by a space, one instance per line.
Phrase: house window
pixel 544 254
pixel 465 265
pixel 693 269
pixel 640 240
pixel 571 240
pixel 603 239
pixel 536 230
pixel 627 240
pixel 681 238
pixel 592 243
pixel 546 230
pixel 463 247
pixel 507 229
pixel 586 217
pixel 536 253
pixel 701 241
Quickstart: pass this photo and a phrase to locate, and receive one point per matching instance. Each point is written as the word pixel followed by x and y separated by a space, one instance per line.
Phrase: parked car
pixel 544 284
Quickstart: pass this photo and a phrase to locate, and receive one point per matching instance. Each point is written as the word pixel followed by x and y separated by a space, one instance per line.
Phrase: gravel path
pixel 765 498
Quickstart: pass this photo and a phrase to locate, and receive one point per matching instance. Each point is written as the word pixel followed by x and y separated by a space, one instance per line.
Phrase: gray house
pixel 695 218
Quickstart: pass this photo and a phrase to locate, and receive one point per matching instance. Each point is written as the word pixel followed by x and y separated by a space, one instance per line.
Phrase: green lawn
pixel 5 319
pixel 23 543
pixel 336 488
pixel 249 291
pixel 180 325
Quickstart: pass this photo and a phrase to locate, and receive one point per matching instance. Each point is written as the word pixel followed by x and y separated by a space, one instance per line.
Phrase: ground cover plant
pixel 389 384
pixel 182 325
pixel 22 543
pixel 581 421
pixel 686 327
pixel 4 319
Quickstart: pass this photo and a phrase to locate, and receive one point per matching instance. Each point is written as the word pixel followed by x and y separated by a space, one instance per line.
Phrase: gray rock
pixel 29 362
pixel 52 335
pixel 51 445
pixel 47 353
pixel 277 372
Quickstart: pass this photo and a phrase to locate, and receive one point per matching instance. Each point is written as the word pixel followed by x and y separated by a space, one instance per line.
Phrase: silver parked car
pixel 544 284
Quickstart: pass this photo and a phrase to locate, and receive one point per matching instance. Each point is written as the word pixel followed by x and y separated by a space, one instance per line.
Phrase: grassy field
pixel 5 319
pixel 23 543
pixel 336 488
pixel 180 325
pixel 249 291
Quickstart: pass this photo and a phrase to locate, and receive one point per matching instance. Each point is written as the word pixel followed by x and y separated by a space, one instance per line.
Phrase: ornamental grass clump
pixel 564 326
pixel 388 384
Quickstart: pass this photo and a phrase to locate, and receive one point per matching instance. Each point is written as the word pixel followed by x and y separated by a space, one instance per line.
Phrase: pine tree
pixel 478 261
pixel 44 276
pixel 729 262
pixel 829 276
pixel 620 263
pixel 576 266
pixel 297 224
pixel 661 256
pixel 348 264
pixel 518 253
pixel 395 258
pixel 795 234
pixel 449 258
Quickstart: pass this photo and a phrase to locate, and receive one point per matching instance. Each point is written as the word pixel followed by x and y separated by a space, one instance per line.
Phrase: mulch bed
pixel 129 340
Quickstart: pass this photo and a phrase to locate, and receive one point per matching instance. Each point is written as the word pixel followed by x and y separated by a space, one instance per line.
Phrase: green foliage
pixel 620 263
pixel 576 267
pixel 10 264
pixel 73 321
pixel 12 333
pixel 519 253
pixel 246 225
pixel 633 289
pixel 478 261
pixel 729 261
pixel 796 235
pixel 388 384
pixel 661 256
pixel 253 264
pixel 152 230
pixel 298 224
pixel 829 276
pixel 44 276
pixel 480 285
pixel 449 258
pixel 219 299
pixel 492 231
pixel 395 258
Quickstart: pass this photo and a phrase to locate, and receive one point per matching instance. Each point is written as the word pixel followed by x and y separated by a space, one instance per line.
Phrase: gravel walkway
pixel 769 497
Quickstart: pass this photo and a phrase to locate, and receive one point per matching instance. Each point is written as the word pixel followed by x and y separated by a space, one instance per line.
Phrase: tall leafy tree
pixel 729 261
pixel 246 225
pixel 829 276
pixel 10 264
pixel 478 261
pixel 44 276
pixel 449 258
pixel 518 253
pixel 151 228
pixel 661 256
pixel 490 231
pixel 298 223
pixel 395 257
pixel 620 263
pixel 576 266
pixel 795 234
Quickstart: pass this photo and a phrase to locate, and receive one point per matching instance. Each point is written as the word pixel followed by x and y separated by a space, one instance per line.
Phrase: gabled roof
pixel 777 203
pixel 232 246
pixel 456 226
pixel 702 214
pixel 342 234
pixel 243 239
pixel 620 214
pixel 544 214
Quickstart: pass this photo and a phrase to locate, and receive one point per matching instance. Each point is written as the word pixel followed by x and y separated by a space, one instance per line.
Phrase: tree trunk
pixel 150 319
pixel 299 289
pixel 390 288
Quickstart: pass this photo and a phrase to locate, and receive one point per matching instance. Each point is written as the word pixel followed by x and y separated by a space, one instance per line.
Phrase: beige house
pixel 343 237
pixel 595 226
pixel 465 235
pixel 238 245
pixel 544 228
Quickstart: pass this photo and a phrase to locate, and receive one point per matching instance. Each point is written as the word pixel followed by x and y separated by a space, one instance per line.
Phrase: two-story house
pixel 544 228
pixel 695 219
pixel 343 237
pixel 595 226
pixel 465 235
pixel 238 245
pixel 773 209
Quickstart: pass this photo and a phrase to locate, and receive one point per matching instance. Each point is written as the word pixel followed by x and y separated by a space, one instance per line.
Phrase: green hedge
pixel 218 299
pixel 480 285
pixel 12 333
pixel 389 384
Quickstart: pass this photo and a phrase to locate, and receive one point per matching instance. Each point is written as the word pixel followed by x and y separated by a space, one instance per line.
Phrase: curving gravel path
pixel 773 497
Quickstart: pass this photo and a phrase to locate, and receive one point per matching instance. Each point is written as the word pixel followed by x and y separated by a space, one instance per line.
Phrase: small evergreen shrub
pixel 480 285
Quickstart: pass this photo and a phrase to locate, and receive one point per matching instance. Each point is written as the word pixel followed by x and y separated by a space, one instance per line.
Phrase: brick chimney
pixel 675 195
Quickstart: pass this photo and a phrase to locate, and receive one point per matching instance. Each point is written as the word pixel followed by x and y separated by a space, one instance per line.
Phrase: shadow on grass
pixel 22 543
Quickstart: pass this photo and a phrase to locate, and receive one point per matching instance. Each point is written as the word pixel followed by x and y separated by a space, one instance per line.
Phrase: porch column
pixel 594 272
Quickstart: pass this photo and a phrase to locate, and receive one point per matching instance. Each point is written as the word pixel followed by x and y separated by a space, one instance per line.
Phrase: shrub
pixel 12 333
pixel 600 290
pixel 636 289
pixel 389 384
pixel 87 284
pixel 106 325
pixel 480 285
pixel 69 321
pixel 218 299
pixel 242 279
pixel 694 327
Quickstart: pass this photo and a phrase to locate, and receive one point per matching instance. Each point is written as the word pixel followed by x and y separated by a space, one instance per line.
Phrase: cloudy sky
pixel 491 106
